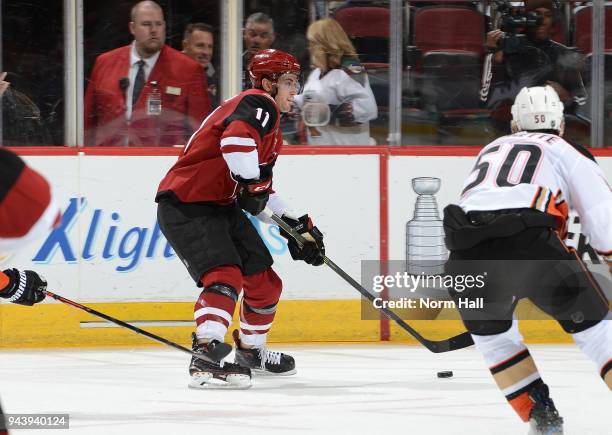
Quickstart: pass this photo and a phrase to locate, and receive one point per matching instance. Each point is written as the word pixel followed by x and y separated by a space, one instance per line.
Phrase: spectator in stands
pixel 145 93
pixel 337 103
pixel 3 84
pixel 537 61
pixel 258 35
pixel 198 44
pixel 22 124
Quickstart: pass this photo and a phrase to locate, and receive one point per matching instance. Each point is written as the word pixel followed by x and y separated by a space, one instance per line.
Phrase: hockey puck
pixel 445 374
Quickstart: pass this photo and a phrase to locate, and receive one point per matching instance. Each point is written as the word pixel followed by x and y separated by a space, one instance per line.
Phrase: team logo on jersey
pixel 355 68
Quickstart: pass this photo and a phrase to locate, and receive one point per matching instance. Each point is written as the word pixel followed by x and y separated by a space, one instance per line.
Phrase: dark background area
pixel 33 51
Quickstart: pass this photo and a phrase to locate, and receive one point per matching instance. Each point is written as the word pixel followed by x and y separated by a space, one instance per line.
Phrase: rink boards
pixel 110 254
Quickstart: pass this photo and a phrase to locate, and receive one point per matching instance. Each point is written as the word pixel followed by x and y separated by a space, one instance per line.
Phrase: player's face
pixel 199 47
pixel 149 30
pixel 288 86
pixel 257 37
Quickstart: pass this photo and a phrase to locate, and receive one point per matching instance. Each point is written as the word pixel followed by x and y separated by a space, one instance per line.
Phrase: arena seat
pixel 441 28
pixel 450 40
pixel 368 29
pixel 584 26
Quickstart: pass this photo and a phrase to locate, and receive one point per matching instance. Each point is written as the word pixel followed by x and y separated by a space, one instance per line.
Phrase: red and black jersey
pixel 27 207
pixel 236 139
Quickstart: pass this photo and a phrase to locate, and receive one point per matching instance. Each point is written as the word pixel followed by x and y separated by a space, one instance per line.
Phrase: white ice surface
pixel 370 389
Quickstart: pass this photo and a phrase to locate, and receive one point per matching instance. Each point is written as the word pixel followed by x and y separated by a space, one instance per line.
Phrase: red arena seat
pixel 368 29
pixel 584 27
pixel 364 22
pixel 444 28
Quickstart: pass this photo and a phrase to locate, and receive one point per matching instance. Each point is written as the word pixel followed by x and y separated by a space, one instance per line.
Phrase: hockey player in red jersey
pixel 225 168
pixel 510 223
pixel 27 211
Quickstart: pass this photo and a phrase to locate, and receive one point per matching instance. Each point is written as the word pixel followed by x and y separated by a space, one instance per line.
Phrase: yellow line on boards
pixel 297 321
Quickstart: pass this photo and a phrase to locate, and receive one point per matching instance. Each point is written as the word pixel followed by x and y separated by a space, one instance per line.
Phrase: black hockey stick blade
pixel 219 352
pixel 454 343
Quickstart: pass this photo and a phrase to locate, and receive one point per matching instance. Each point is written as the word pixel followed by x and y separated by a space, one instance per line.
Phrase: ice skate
pixel 263 361
pixel 544 418
pixel 219 375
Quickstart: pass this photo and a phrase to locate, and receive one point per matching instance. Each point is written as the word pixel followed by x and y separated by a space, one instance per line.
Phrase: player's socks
pixel 596 343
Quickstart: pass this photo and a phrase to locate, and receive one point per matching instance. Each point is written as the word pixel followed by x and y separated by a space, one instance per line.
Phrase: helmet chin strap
pixel 514 128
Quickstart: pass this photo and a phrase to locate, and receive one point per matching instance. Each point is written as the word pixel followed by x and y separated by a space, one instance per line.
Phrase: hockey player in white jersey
pixel 510 223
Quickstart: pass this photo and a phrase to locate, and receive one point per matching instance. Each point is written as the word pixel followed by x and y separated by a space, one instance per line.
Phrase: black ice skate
pixel 264 361
pixel 216 375
pixel 544 418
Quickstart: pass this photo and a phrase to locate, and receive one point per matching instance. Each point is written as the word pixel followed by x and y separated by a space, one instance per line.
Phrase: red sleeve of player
pixel 27 207
pixel 27 203
pixel 239 145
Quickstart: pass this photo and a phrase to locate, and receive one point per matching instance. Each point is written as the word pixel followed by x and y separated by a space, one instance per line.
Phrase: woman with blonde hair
pixel 337 103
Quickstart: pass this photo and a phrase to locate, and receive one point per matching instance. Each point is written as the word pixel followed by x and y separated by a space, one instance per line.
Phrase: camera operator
pixel 524 55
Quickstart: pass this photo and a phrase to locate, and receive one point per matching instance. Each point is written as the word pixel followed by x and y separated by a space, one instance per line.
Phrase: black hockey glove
pixel 253 194
pixel 313 251
pixel 342 114
pixel 24 288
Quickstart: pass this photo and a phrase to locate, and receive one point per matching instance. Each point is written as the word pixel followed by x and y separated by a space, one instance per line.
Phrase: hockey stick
pixel 454 343
pixel 220 351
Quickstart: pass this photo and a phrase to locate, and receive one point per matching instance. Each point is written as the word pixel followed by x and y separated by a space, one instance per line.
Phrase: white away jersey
pixel 544 172
pixel 337 87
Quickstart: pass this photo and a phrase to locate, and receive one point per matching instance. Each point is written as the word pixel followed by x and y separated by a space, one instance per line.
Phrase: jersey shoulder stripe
pixel 258 111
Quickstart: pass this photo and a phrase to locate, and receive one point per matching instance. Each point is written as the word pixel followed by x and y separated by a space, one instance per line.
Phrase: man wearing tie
pixel 145 93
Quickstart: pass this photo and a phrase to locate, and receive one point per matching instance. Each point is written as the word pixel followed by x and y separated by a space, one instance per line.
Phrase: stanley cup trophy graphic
pixel 425 249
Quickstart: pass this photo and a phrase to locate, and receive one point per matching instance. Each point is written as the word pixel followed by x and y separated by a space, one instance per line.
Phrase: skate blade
pixel 533 430
pixel 206 381
pixel 266 373
pixel 546 432
pixel 555 431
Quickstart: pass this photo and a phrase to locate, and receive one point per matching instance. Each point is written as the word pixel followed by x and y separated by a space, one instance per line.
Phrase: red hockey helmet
pixel 271 64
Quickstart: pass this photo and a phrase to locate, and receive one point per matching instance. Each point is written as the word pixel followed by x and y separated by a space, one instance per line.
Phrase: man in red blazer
pixel 128 85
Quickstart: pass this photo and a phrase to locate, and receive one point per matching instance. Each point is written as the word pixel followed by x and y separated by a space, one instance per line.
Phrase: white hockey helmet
pixel 537 108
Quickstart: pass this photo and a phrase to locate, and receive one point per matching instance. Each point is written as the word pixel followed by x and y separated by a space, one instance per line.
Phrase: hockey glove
pixel 253 194
pixel 313 251
pixel 23 288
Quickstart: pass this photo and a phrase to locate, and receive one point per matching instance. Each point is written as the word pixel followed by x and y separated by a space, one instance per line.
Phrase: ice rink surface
pixel 339 388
